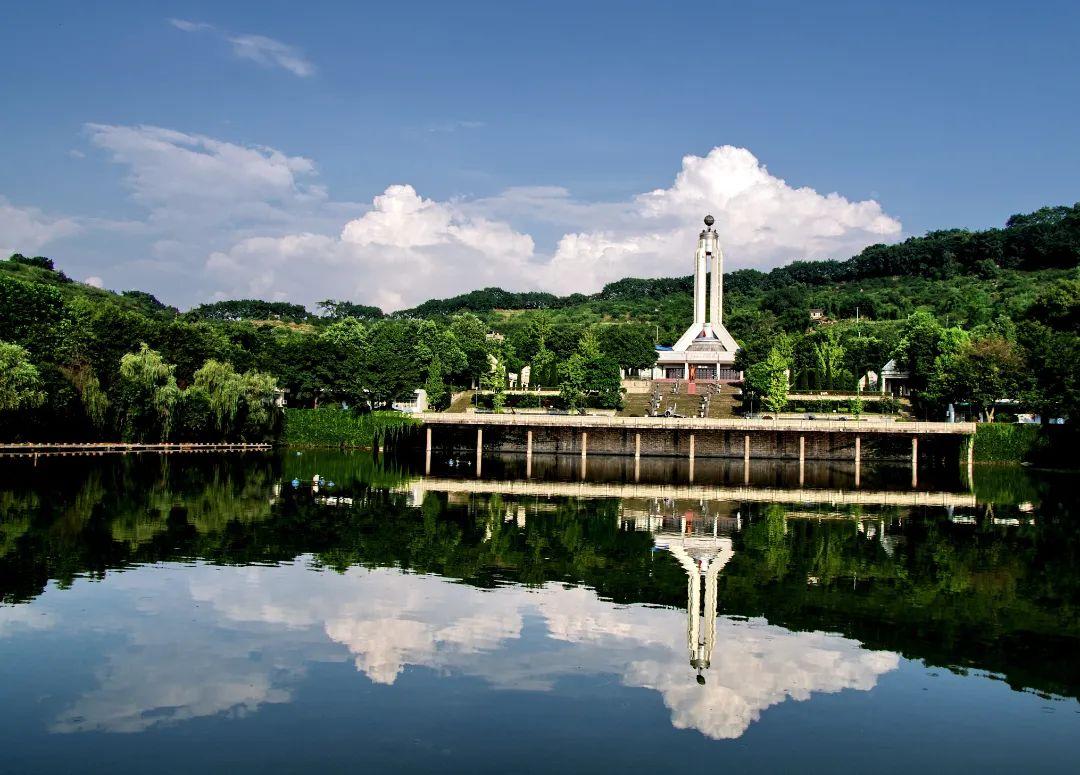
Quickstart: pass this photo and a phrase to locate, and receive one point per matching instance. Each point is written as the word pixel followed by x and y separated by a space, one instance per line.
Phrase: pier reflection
pixel 707 472
pixel 725 600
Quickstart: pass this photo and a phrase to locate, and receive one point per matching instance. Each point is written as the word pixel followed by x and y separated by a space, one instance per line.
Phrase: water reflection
pixel 215 587
pixel 237 639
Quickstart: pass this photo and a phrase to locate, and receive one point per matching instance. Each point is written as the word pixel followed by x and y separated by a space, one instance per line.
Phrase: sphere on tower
pixel 709 221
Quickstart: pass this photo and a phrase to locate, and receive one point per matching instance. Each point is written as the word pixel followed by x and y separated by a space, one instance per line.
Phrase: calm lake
pixel 213 612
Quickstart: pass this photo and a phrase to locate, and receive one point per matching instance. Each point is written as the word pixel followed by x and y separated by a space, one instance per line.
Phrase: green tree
pixel 985 371
pixel 262 416
pixel 572 382
pixel 828 358
pixel 35 316
pixel 437 395
pixel 602 381
pixel 769 380
pixel 629 345
pixel 543 365
pixel 41 262
pixel 223 389
pixel 471 336
pixel 589 346
pixel 20 381
pixel 146 396
pixel 392 365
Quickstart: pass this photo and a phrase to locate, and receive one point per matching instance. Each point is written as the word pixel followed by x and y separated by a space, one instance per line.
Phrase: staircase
pixel 720 405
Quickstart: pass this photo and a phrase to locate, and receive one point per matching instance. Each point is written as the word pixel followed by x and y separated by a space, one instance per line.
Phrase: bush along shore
pixel 343 428
pixel 1043 445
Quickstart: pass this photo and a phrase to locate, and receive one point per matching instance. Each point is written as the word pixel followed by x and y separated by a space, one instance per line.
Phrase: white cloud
pixel 272 53
pixel 403 250
pixel 27 229
pixel 254 220
pixel 199 641
pixel 94 281
pixel 762 222
pixel 188 179
pixel 408 249
pixel 257 48
pixel 189 26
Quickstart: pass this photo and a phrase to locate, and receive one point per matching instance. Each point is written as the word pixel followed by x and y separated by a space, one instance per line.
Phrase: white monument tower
pixel 706 351
pixel 702 557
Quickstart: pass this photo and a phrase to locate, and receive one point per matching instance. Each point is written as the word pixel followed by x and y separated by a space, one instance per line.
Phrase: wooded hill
pixel 974 315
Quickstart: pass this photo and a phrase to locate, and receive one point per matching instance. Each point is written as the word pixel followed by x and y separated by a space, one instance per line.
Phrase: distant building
pixel 817 315
pixel 415 403
pixel 894 380
pixel 706 351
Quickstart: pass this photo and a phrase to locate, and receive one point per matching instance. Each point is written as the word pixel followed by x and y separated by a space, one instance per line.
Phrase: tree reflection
pixel 995 587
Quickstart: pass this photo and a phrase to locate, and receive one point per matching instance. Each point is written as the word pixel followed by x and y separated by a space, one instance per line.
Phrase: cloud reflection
pixel 203 640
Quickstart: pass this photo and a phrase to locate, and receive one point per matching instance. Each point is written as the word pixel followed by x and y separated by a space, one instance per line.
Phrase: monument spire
pixel 706 351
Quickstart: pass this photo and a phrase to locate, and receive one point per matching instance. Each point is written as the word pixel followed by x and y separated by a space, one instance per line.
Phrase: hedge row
pixel 1053 446
pixel 1006 443
pixel 332 427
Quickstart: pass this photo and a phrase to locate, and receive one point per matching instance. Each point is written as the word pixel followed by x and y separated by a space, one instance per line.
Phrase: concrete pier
pixel 693 438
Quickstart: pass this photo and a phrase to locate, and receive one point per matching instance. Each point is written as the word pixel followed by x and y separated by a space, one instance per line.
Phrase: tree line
pixel 972 316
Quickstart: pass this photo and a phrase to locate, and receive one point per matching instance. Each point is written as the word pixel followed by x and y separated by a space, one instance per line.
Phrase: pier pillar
pixel 637 446
pixel 584 444
pixel 479 449
pixel 691 458
pixel 746 458
pixel 427 453
pixel 802 459
pixel 858 459
pixel 528 454
pixel 914 461
pixel 971 461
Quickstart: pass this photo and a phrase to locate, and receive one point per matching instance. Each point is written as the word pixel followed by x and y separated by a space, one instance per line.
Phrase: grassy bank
pixel 332 427
pixel 1046 445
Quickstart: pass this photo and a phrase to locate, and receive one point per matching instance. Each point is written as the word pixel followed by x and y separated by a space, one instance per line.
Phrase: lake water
pixel 178 613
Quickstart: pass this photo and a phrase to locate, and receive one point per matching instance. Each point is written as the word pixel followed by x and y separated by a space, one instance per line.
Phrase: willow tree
pixel 259 392
pixel 20 382
pixel 146 396
pixel 223 389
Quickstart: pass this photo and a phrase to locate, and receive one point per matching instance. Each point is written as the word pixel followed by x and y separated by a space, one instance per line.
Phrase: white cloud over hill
pixel 27 229
pixel 247 220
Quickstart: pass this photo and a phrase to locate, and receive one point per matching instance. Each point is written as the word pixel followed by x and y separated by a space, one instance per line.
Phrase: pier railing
pixel 702 424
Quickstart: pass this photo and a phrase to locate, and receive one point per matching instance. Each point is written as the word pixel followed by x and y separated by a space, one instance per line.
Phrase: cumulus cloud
pixel 254 220
pixel 403 249
pixel 407 248
pixel 27 229
pixel 256 48
pixel 189 179
pixel 199 641
pixel 761 219
pixel 94 281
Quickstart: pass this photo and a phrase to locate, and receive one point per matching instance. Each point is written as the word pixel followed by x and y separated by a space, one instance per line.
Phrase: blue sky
pixel 200 150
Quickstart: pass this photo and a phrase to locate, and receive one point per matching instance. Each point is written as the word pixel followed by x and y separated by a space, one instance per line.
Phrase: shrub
pixel 332 427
